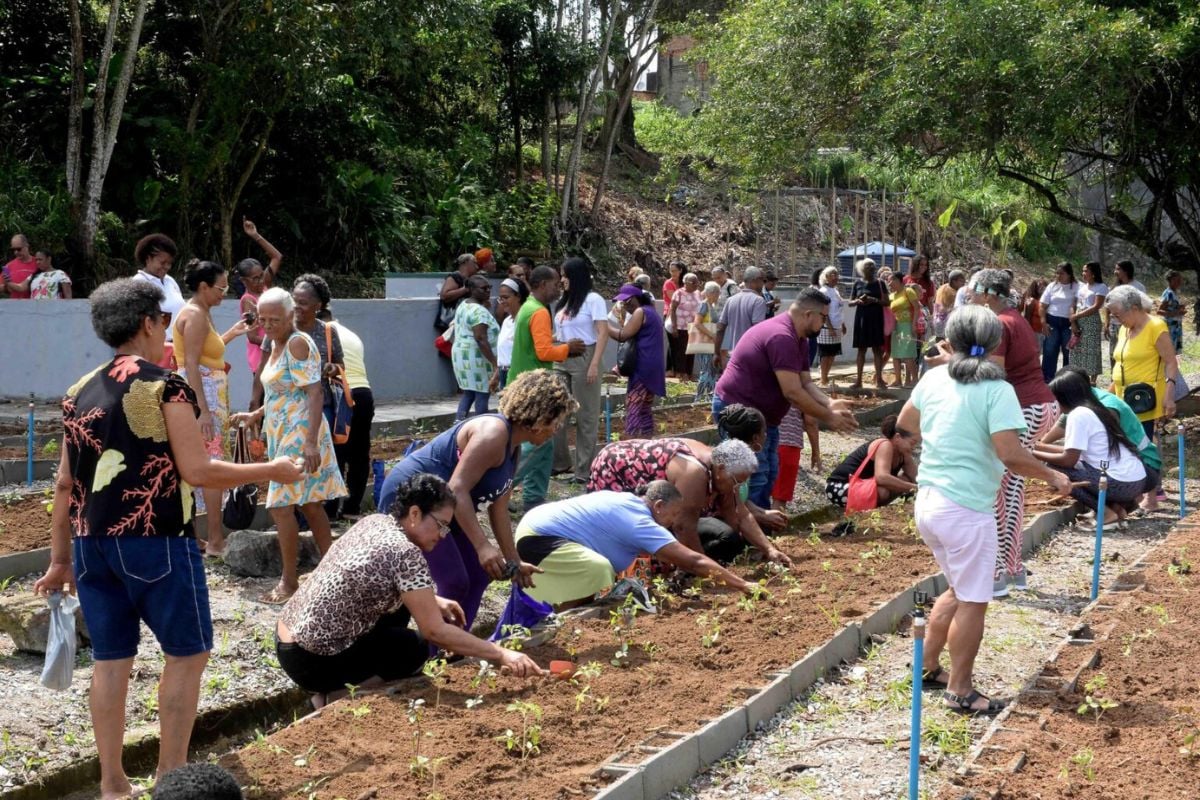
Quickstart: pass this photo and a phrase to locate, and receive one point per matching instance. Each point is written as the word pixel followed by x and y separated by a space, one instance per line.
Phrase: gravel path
pixel 43 730
pixel 849 737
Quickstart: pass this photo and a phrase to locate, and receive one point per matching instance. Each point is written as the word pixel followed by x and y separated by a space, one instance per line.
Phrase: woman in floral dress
pixel 294 424
pixel 476 333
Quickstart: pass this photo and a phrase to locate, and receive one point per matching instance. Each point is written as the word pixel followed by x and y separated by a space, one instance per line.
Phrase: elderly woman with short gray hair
pixel 715 519
pixel 971 422
pixel 1018 354
pixel 1145 370
pixel 123 513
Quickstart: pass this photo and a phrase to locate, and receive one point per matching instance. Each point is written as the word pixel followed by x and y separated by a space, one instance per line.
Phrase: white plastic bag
pixel 60 644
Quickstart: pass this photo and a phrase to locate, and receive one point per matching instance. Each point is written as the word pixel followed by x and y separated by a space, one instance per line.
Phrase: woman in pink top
pixel 1018 354
pixel 256 279
pixel 670 286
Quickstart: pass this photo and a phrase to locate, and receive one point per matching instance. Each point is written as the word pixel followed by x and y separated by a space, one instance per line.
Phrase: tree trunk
pixel 107 122
pixel 75 110
pixel 231 196
pixel 570 199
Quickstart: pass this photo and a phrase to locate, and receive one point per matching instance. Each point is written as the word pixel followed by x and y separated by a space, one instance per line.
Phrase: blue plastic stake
pixel 914 744
pixel 29 447
pixel 1182 477
pixel 1099 530
pixel 607 414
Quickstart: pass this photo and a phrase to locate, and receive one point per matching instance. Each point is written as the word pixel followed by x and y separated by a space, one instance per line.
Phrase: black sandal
pixel 963 705
pixel 929 679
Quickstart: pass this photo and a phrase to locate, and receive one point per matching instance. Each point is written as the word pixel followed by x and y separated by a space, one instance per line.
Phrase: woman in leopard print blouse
pixel 348 624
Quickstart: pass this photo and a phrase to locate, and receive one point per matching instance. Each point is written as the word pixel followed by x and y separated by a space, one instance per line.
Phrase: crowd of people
pixel 989 409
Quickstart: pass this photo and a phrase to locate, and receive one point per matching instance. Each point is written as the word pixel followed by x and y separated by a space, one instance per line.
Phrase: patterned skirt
pixel 1087 353
pixel 639 410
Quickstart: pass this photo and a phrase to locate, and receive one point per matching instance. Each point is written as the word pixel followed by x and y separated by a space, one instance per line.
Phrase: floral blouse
pixel 125 482
pixel 686 304
pixel 360 579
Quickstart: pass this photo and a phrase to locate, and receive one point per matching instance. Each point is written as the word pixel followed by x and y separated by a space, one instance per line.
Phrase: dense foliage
pixel 360 136
pixel 1091 107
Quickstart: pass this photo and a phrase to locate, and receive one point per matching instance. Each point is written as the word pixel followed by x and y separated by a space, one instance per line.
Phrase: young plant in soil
pixel 582 680
pixel 1082 760
pixel 749 602
pixel 1093 701
pixel 529 741
pixel 416 716
pixel 621 620
pixel 514 636
pixel 1180 566
pixel 486 675
pixel 435 670
pixel 710 627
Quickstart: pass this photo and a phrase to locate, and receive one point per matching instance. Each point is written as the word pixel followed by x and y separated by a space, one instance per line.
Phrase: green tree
pixel 1090 106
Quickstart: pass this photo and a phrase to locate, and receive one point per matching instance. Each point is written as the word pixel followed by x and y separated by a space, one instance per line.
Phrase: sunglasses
pixel 166 318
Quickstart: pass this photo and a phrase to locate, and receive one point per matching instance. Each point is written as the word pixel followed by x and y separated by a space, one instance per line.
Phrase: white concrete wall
pixel 51 344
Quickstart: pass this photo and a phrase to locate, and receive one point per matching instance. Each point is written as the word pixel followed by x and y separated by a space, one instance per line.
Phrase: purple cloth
pixel 651 366
pixel 749 377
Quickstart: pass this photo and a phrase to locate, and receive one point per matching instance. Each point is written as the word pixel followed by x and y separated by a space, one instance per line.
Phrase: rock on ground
pixel 26 619
pixel 255 554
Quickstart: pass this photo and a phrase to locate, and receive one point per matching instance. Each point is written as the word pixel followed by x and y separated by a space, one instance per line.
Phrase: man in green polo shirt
pixel 534 348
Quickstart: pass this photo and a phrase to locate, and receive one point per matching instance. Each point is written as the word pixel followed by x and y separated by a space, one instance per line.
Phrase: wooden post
pixel 835 223
pixel 775 248
pixel 883 233
pixel 795 213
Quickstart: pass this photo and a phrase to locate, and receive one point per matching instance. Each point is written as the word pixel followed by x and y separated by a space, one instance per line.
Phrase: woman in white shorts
pixel 970 422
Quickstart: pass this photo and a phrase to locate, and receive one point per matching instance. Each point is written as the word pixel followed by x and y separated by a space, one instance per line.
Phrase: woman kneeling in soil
pixel 1093 439
pixel 348 623
pixel 478 458
pixel 714 519
pixel 895 450
pixel 971 421
pixel 582 543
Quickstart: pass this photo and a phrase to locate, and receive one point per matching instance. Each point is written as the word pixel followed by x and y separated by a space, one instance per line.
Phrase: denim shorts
pixel 124 580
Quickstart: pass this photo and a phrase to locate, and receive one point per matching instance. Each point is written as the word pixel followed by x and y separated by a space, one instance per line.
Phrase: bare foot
pixel 120 790
pixel 279 595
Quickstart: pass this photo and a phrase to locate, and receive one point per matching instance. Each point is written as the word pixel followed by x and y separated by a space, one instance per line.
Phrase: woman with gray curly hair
pixel 1145 365
pixel 715 519
pixel 123 514
pixel 970 419
pixel 1017 353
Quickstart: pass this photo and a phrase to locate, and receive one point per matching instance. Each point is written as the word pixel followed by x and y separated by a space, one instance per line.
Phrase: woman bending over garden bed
pixel 348 624
pixel 583 543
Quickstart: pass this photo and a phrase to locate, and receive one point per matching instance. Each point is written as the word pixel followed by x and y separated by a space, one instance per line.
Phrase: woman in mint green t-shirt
pixel 970 423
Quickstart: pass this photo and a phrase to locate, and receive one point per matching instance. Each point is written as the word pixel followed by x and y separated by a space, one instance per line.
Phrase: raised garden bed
pixel 355 746
pixel 1133 654
pixel 24 523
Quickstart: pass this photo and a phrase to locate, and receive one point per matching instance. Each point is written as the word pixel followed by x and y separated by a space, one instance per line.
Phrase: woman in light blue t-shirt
pixel 970 423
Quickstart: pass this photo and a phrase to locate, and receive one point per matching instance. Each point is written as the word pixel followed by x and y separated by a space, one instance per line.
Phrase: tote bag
pixel 862 494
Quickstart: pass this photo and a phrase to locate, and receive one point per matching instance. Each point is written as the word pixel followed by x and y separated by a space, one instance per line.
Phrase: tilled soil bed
pixel 24 524
pixel 1139 735
pixel 364 747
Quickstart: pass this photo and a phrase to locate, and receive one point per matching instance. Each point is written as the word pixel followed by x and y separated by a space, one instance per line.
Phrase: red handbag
pixel 862 494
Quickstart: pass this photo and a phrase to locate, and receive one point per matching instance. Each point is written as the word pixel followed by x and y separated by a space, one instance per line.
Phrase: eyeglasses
pixel 443 525
pixel 223 289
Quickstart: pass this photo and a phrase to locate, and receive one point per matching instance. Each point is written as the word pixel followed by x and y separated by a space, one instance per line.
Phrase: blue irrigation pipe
pixel 914 743
pixel 607 413
pixel 29 446
pixel 1182 477
pixel 1099 529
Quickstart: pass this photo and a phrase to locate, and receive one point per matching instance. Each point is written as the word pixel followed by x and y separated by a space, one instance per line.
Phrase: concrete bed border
pixel 669 767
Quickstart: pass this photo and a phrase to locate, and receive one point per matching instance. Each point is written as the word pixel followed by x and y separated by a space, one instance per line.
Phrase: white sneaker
pixel 1000 587
pixel 1019 582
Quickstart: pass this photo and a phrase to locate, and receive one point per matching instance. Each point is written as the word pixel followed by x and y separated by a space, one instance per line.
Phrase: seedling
pixel 1180 566
pixel 710 630
pixel 660 589
pixel 834 615
pixel 1083 760
pixel 513 636
pixel 50 448
pixel 582 680
pixel 486 675
pixel 360 711
pixel 814 536
pixel 1159 612
pixel 416 715
pixel 697 587
pixel 879 551
pixel 572 645
pixel 528 742
pixel 4 583
pixel 621 620
pixel 1191 745
pixel 425 767
pixel 435 670
pixel 1093 701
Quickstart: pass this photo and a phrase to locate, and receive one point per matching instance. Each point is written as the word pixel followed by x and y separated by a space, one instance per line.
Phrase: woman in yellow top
pixel 1143 356
pixel 200 353
pixel 904 302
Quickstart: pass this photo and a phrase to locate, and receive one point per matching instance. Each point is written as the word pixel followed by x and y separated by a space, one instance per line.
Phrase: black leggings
pixel 721 543
pixel 354 457
pixel 390 650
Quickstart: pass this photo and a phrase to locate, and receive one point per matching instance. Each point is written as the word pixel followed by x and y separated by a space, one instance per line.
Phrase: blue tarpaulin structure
pixel 882 253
